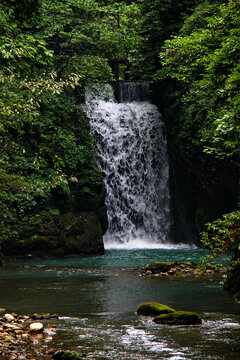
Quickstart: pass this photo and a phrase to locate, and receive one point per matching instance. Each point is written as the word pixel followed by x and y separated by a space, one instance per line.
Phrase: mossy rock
pixel 153 309
pixel 178 318
pixel 178 273
pixel 66 355
pixel 156 267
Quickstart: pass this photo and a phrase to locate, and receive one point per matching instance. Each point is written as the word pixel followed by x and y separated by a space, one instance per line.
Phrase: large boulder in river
pixel 178 318
pixel 153 309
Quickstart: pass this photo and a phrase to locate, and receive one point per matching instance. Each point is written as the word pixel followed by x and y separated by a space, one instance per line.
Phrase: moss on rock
pixel 184 268
pixel 156 267
pixel 178 318
pixel 153 309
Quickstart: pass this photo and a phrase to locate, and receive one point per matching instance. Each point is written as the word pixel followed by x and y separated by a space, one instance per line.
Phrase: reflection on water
pixel 98 297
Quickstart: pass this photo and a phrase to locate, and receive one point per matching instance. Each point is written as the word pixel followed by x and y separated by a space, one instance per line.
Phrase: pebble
pixel 19 332
pixel 8 317
pixel 36 328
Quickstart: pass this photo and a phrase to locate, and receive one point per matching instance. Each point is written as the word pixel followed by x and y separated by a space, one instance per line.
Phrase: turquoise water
pixel 97 299
pixel 128 258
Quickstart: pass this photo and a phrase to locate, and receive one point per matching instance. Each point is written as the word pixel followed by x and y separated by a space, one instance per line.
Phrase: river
pixel 97 298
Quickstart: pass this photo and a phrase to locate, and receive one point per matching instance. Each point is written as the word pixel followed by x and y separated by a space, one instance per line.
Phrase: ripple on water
pixel 98 297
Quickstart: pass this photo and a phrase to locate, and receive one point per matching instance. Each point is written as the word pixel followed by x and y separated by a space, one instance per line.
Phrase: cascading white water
pixel 132 156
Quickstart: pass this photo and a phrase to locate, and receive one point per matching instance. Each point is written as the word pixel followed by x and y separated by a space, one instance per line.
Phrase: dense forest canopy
pixel 49 51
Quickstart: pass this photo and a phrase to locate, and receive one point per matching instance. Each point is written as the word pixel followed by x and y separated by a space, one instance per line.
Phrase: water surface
pixel 97 299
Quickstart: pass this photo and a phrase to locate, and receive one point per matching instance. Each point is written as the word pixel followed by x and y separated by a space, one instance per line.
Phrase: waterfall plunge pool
pixel 97 299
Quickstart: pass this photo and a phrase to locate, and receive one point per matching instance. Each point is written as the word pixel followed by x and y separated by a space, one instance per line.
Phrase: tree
pixel 205 64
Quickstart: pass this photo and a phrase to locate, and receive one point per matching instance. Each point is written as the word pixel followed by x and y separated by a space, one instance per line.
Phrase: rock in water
pixel 153 309
pixel 178 318
pixel 8 317
pixel 36 328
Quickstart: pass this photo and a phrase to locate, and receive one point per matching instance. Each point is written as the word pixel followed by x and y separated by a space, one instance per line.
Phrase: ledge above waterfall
pixel 126 92
pixel 122 92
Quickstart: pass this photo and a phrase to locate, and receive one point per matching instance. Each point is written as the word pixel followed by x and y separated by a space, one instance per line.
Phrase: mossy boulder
pixel 178 318
pixel 156 267
pixel 66 355
pixel 153 309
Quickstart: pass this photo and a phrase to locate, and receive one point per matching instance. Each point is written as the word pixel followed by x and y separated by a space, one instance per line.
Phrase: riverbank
pixel 30 337
pixel 96 299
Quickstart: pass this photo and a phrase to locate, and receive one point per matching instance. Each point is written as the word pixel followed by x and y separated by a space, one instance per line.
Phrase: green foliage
pixel 159 20
pixel 22 11
pixel 50 50
pixel 85 35
pixel 46 146
pixel 223 234
pixel 205 62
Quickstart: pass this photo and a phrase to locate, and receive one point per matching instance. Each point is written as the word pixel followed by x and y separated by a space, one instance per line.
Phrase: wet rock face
pixel 73 233
pixel 83 234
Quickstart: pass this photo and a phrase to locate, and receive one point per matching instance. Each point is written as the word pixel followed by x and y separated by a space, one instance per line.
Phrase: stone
pixel 153 309
pixel 53 316
pixel 36 328
pixel 9 339
pixel 11 327
pixel 13 357
pixel 65 355
pixel 159 267
pixel 8 317
pixel 178 318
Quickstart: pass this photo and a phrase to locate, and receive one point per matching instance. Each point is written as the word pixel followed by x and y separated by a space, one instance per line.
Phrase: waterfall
pixel 132 156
